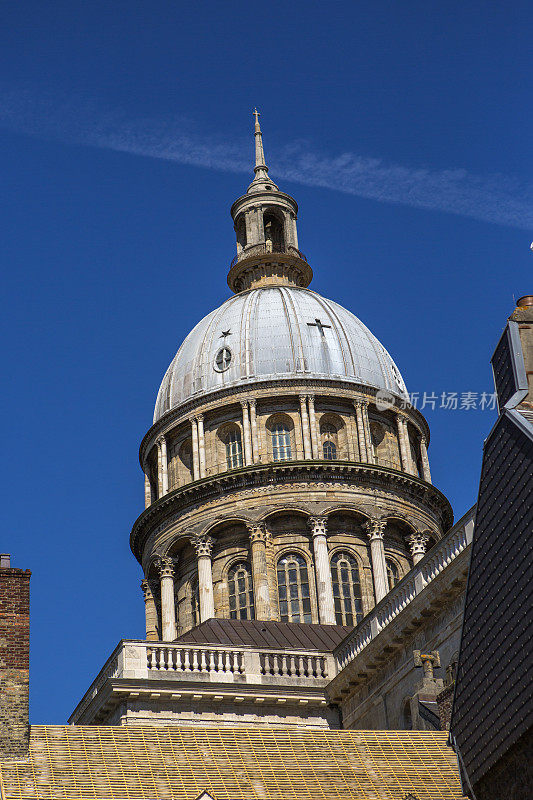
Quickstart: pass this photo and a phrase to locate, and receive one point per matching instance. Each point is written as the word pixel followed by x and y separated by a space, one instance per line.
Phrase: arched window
pixel 195 602
pixel 241 595
pixel 346 589
pixel 328 434
pixel 281 442
pixel 393 573
pixel 233 444
pixel 293 589
pixel 273 233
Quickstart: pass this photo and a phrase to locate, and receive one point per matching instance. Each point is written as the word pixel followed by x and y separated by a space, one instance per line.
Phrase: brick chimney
pixel 14 659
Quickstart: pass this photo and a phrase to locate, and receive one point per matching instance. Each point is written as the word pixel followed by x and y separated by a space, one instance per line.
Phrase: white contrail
pixel 494 198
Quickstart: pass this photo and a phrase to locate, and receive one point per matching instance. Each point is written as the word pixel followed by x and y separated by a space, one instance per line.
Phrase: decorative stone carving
pixel 417 544
pixel 318 525
pixel 147 590
pixel 428 661
pixel 257 532
pixel 203 545
pixel 375 528
pixel 165 566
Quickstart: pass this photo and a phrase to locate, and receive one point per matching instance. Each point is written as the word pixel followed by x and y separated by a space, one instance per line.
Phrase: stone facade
pixel 14 659
pixel 282 496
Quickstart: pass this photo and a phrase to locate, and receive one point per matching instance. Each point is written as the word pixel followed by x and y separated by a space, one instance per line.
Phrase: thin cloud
pixel 496 198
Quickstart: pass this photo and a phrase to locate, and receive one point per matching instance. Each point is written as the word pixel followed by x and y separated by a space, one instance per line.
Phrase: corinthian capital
pixel 165 566
pixel 418 543
pixel 257 532
pixel 203 545
pixel 375 528
pixel 147 590
pixel 318 525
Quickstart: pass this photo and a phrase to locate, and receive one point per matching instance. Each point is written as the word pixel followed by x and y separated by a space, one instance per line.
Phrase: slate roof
pixel 71 762
pixel 284 635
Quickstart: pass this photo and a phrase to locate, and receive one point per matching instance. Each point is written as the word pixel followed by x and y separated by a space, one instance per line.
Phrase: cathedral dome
pixel 276 332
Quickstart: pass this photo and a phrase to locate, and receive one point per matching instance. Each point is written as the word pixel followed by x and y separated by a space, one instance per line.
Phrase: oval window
pixel 223 359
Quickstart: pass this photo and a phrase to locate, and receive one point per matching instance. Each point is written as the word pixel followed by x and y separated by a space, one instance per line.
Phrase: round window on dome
pixel 223 359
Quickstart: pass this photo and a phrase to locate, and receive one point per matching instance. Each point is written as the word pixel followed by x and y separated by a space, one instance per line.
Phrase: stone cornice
pixel 261 475
pixel 264 389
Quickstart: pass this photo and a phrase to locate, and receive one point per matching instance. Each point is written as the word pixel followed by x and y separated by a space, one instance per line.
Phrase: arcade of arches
pixel 291 568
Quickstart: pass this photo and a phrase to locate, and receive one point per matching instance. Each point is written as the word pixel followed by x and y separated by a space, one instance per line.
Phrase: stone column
pixel 405 447
pixel 315 433
pixel 248 221
pixel 162 463
pixel 426 474
pixel 147 489
pixel 258 539
pixel 247 435
pixel 195 454
pixel 368 436
pixel 150 611
pixel 360 408
pixel 353 442
pixel 165 567
pixel 294 231
pixel 260 230
pixel 326 604
pixel 375 529
pixel 204 550
pixel 305 426
pixel 201 445
pixel 417 544
pixel 256 455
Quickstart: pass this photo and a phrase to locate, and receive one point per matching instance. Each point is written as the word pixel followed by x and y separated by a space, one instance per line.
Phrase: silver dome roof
pixel 276 332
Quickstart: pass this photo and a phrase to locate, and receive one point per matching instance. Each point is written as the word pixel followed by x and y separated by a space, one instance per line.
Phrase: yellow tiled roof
pixel 88 762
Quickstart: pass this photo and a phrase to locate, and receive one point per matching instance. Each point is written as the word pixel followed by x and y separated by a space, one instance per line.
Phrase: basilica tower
pixel 286 475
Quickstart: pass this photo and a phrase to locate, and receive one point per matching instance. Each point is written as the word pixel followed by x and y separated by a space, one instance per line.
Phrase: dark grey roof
pixel 286 635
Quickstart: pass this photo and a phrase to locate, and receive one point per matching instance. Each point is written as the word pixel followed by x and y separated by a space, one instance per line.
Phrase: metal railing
pixel 265 248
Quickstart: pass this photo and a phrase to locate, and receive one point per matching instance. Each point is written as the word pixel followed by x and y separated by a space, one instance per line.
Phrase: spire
pixel 260 165
pixel 261 178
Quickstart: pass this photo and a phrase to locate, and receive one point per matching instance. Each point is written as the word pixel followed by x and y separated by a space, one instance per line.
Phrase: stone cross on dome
pixel 320 325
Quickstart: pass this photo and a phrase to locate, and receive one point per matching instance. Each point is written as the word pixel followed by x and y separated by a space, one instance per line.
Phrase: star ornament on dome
pixel 224 334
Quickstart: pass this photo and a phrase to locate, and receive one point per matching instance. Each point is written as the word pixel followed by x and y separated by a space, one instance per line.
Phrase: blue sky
pixel 402 129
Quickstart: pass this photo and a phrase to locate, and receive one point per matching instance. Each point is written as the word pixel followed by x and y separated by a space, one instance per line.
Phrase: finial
pixel 260 168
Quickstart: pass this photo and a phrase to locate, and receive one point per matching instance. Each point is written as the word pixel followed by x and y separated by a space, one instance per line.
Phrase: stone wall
pixel 444 703
pixel 14 659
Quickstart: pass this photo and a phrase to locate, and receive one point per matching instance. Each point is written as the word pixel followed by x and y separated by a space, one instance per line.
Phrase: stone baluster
pixel 201 445
pixel 326 604
pixel 315 435
pixel 150 611
pixel 165 566
pixel 247 434
pixel 195 454
pixel 417 544
pixel 256 455
pixel 304 418
pixel 203 546
pixel 147 488
pixel 375 529
pixel 426 474
pixel 162 465
pixel 258 539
